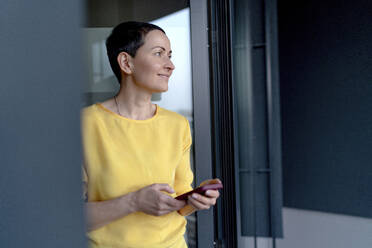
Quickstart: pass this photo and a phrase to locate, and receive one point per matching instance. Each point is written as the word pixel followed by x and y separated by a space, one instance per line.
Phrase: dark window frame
pixel 202 113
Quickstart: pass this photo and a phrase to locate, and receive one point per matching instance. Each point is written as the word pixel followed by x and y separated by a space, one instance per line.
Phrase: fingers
pixel 198 202
pixel 212 193
pixel 163 187
pixel 158 203
pixel 177 205
pixel 166 209
pixel 171 203
pixel 203 202
pixel 154 200
pixel 162 203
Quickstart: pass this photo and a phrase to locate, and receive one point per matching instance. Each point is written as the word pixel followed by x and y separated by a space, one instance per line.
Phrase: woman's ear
pixel 125 62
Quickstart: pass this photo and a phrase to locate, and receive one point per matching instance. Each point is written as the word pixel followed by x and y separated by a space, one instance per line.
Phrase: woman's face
pixel 152 65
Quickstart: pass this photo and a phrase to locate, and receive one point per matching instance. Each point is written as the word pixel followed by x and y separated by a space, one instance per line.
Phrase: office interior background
pixel 278 95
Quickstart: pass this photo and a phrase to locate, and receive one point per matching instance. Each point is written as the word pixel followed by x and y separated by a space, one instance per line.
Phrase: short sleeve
pixel 184 175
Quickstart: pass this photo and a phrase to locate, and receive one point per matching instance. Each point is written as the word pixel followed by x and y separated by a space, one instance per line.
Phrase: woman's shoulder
pixel 175 120
pixel 92 114
pixel 89 111
pixel 171 114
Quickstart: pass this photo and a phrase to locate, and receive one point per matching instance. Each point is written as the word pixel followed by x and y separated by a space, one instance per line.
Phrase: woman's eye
pixel 158 53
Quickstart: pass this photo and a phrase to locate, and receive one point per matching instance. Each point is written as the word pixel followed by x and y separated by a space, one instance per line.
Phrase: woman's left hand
pixel 200 202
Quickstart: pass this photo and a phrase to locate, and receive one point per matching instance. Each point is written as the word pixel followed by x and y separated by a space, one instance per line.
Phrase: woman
pixel 136 154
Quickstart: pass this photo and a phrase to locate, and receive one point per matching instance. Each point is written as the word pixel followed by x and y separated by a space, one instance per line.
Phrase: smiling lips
pixel 164 75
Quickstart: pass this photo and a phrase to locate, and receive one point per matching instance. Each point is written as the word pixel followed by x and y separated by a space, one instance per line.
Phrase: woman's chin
pixel 160 90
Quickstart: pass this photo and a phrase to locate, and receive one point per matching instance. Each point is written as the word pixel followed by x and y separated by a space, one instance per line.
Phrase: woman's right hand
pixel 151 200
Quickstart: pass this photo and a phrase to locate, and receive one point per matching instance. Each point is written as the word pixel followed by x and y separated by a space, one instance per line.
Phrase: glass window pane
pixel 101 83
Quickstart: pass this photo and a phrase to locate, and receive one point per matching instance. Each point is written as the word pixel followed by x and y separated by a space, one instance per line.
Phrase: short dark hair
pixel 126 37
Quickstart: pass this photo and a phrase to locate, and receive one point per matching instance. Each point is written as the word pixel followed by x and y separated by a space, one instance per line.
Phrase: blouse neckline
pixel 99 105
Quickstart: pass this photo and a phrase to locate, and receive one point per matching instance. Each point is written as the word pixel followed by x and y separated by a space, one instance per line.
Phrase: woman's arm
pixel 101 213
pixel 150 200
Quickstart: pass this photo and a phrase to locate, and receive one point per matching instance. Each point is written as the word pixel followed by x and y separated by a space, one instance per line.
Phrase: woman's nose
pixel 169 65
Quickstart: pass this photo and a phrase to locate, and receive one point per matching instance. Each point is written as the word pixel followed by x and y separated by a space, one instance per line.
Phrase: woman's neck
pixel 134 103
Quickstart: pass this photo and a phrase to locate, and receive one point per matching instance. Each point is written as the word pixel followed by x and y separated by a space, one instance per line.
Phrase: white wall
pixel 179 95
pixel 312 229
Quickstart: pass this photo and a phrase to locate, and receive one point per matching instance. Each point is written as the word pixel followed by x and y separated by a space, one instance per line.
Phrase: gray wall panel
pixel 40 189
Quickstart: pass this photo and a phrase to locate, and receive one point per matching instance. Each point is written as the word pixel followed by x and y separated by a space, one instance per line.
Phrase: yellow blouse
pixel 123 155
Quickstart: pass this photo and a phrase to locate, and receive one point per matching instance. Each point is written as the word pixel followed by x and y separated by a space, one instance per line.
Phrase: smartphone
pixel 200 190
